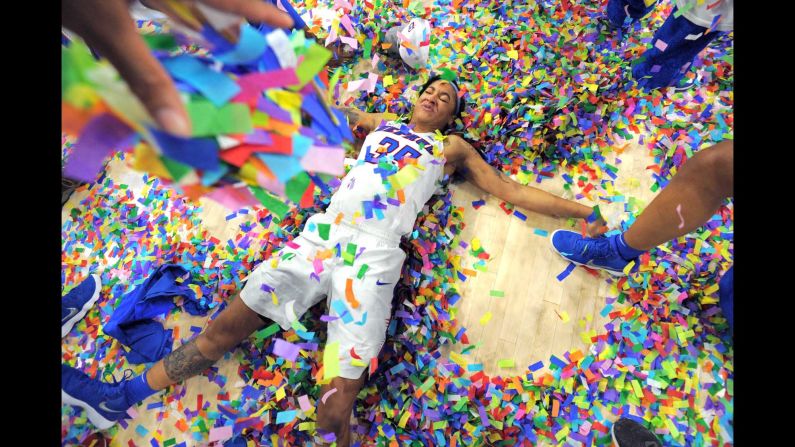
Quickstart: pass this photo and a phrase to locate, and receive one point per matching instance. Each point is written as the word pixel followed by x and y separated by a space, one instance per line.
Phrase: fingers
pixel 106 26
pixel 254 10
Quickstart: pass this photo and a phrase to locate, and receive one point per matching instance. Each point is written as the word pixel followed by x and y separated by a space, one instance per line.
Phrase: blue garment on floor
pixel 726 294
pixel 132 324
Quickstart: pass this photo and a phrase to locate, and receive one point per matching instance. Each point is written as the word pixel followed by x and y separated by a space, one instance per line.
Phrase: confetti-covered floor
pixel 490 351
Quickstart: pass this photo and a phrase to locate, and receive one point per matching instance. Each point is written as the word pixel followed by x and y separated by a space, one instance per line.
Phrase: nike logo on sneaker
pixel 592 264
pixel 72 312
pixel 379 283
pixel 104 407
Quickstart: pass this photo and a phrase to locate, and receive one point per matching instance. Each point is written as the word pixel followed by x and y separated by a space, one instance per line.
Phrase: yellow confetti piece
pixel 628 267
pixel 146 159
pixel 280 394
pixel 404 419
pixel 407 175
pixel 287 100
pixel 458 359
pixel 331 360
pixel 248 172
pixel 506 363
pixel 485 318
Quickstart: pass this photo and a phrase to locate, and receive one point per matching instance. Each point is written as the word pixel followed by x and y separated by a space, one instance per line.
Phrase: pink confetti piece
pixel 328 393
pixel 303 401
pixel 681 219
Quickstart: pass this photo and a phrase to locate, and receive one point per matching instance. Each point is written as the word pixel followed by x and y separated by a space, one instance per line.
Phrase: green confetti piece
pixel 75 60
pixel 334 79
pixel 497 293
pixel 350 254
pixel 427 384
pixel 323 230
pixel 368 45
pixel 362 271
pixel 315 60
pixel 165 42
pixel 447 74
pixel 175 168
pixel 274 205
pixel 295 187
pixel 208 120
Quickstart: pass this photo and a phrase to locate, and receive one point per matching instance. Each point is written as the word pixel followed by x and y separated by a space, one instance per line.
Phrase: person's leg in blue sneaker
pixel 689 199
pixel 106 403
pixel 674 46
pixel 618 10
pixel 686 203
pixel 233 325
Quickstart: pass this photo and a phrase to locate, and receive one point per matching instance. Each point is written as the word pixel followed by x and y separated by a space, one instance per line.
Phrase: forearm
pixel 539 201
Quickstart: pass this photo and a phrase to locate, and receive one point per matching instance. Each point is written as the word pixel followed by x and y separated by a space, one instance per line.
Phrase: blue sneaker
pixel 599 253
pixel 77 302
pixel 105 403
pixel 684 84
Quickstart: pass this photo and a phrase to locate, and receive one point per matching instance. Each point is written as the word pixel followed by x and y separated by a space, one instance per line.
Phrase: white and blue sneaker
pixel 598 253
pixel 105 403
pixel 77 302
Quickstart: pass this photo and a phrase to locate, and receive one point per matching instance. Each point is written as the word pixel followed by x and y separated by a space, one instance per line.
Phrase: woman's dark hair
pixel 457 177
pixel 460 102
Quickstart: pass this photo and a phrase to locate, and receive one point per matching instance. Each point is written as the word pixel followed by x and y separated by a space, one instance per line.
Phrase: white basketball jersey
pixel 386 186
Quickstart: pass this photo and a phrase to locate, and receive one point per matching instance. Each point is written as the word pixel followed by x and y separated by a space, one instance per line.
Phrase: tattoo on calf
pixel 186 362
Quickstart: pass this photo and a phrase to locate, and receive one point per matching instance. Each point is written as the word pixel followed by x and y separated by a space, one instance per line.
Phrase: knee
pixel 717 164
pixel 216 340
pixel 717 158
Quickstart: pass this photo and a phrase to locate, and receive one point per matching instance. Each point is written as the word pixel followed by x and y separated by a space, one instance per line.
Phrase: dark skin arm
pixel 462 157
pixel 357 118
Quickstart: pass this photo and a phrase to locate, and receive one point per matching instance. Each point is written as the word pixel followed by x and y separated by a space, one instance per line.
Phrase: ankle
pixel 138 389
pixel 624 250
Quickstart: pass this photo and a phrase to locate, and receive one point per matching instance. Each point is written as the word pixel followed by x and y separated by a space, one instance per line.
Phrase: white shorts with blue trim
pixel 312 268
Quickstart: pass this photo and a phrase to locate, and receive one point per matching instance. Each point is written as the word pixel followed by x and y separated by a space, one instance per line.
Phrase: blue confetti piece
pixel 566 272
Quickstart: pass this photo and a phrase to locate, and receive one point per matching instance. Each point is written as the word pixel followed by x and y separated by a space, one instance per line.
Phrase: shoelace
pixel 127 375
